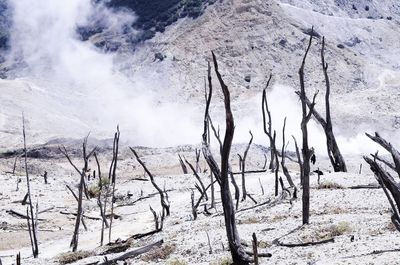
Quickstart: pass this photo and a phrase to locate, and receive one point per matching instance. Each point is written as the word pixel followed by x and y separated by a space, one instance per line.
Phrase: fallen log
pixel 305 244
pixel 133 253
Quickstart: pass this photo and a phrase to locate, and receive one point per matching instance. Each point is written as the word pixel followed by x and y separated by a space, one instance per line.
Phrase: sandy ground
pixel 358 219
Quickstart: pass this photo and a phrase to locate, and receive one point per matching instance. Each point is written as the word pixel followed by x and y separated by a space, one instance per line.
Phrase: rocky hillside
pixel 251 38
pixel 254 38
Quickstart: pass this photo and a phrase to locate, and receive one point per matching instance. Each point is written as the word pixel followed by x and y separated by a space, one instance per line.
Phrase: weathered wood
pixel 284 168
pixel 197 177
pixel 133 253
pixel 255 251
pixel 183 166
pixel 164 201
pixel 242 162
pixel 32 231
pixel 299 161
pixel 268 130
pixel 113 177
pixel 306 244
pixel 239 256
pixel 305 149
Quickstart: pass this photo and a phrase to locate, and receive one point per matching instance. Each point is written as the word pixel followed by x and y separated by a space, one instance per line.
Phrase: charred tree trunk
pixel 284 168
pixel 113 177
pixel 239 256
pixel 268 130
pixel 163 196
pixel 299 161
pixel 33 230
pixel 334 153
pixel 389 185
pixel 242 162
pixel 305 150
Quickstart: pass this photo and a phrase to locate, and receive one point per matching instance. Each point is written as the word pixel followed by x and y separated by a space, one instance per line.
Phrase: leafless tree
pixel 239 256
pixel 306 152
pixel 334 153
pixel 284 168
pixel 113 177
pixel 82 173
pixel 242 165
pixel 268 129
pixel 163 195
pixel 31 226
pixel 389 185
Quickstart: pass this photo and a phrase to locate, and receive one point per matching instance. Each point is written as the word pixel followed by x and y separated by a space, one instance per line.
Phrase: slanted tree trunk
pixel 334 153
pixel 242 163
pixel 284 168
pixel 389 185
pixel 239 256
pixel 31 227
pixel 268 130
pixel 305 150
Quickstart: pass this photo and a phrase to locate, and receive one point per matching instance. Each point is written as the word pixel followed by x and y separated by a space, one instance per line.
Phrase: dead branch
pixel 183 166
pixel 284 168
pixel 133 253
pixel 306 244
pixel 164 202
pixel 198 178
pixel 268 130
pixel 242 163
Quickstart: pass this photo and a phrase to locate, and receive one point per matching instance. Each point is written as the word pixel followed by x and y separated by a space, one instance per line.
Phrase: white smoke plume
pixel 79 88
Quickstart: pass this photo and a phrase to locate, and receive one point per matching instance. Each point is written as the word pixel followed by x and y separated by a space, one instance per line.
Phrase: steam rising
pixel 75 88
pixel 82 84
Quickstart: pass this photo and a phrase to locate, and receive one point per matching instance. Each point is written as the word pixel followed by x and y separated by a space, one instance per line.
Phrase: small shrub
pixel 263 244
pixel 176 261
pixel 335 230
pixel 93 191
pixel 329 185
pixel 227 260
pixel 71 257
pixel 249 220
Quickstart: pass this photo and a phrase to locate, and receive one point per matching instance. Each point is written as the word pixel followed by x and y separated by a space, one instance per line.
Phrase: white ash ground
pixel 362 214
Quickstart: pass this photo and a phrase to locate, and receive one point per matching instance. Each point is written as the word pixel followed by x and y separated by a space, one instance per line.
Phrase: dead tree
pixel 268 130
pixel 242 164
pixel 113 176
pixel 306 152
pixel 82 174
pixel 198 178
pixel 163 195
pixel 334 153
pixel 31 226
pixel 239 256
pixel 299 161
pixel 104 223
pixel 284 168
pixel 183 166
pixel 389 185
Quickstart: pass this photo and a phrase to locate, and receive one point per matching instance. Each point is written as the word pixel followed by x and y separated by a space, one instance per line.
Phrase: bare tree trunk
pixel 334 153
pixel 268 130
pixel 299 161
pixel 305 150
pixel 113 177
pixel 239 256
pixel 385 179
pixel 32 232
pixel 242 162
pixel 163 197
pixel 284 168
